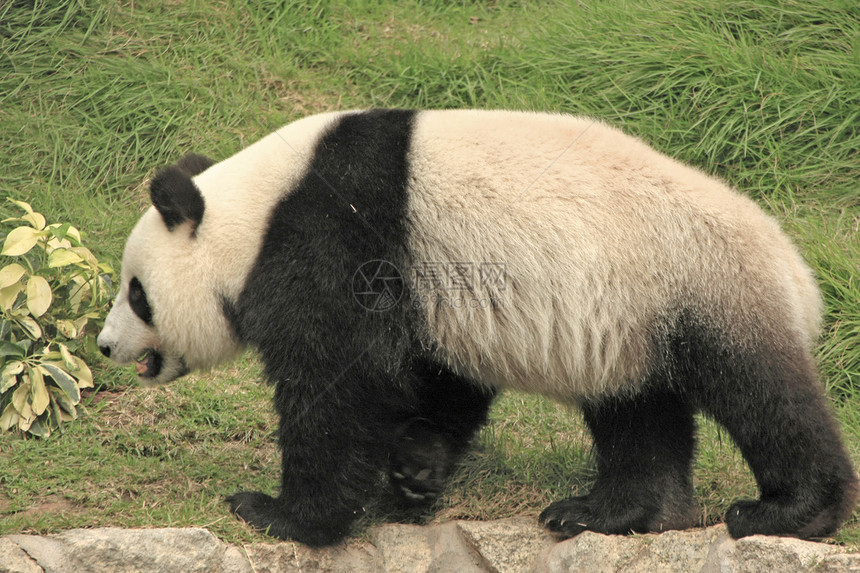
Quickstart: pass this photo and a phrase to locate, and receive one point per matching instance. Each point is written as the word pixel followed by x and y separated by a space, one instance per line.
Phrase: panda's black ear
pixel 194 164
pixel 176 197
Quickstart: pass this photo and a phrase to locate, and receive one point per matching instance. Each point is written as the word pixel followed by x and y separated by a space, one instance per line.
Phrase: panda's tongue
pixel 144 364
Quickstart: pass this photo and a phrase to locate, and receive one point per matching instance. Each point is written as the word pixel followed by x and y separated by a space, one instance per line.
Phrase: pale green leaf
pixel 39 295
pixel 59 238
pixel 57 415
pixel 31 326
pixel 37 428
pixel 9 295
pixel 9 418
pixel 79 293
pixel 61 257
pixel 39 397
pixel 67 328
pixel 24 422
pixel 81 323
pixel 20 396
pixel 68 359
pixel 11 274
pixel 19 241
pixel 55 243
pixel 23 205
pixel 13 368
pixel 7 382
pixel 37 220
pixel 60 230
pixel 83 374
pixel 63 380
pixel 74 233
pixel 62 400
pixel 86 255
pixel 11 349
pixel 10 374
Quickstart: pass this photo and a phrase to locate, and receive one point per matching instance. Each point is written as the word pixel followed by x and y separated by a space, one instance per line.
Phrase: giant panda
pixel 545 253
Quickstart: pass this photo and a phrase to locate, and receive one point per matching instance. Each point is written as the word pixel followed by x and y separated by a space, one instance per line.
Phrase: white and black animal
pixel 631 285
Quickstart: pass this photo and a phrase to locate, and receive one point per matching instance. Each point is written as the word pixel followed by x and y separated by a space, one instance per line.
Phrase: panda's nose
pixel 105 350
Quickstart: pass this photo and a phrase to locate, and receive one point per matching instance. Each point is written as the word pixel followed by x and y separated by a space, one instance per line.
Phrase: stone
pixel 235 560
pixel 590 552
pixel 504 546
pixel 402 548
pixel 762 554
pixel 13 559
pixel 689 550
pixel 507 545
pixel 451 552
pixel 289 557
pixel 709 550
pixel 48 553
pixel 844 563
pixel 122 550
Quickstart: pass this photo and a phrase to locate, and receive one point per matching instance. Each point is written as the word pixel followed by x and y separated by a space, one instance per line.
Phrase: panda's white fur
pixel 599 235
pixel 192 332
pixel 632 285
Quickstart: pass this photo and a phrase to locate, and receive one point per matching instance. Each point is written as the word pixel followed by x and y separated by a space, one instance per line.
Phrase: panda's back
pixel 582 243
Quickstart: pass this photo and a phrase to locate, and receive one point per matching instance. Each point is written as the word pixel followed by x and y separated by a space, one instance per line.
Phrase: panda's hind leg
pixel 430 440
pixel 774 407
pixel 644 448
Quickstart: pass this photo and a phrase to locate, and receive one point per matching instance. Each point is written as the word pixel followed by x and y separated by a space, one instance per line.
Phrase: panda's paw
pixel 267 514
pixel 602 513
pixel 421 462
pixel 748 517
pixel 568 517
pixel 772 517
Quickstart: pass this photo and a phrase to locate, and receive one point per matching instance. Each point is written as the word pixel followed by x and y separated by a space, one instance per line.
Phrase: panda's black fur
pixel 362 393
pixel 354 393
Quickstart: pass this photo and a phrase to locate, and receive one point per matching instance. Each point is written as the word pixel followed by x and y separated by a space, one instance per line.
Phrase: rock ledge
pixel 509 545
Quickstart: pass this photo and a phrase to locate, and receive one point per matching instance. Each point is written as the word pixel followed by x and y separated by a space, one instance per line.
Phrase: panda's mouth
pixel 149 364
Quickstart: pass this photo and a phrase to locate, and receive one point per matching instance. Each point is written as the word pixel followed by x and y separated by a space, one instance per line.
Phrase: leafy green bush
pixel 53 295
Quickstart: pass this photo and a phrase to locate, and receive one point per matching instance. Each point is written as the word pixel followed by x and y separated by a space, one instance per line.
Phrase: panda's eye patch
pixel 137 301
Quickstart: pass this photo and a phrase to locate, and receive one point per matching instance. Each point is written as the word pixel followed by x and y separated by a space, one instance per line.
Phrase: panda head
pixel 168 317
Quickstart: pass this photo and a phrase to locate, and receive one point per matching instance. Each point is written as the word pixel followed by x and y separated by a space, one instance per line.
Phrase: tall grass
pixel 96 95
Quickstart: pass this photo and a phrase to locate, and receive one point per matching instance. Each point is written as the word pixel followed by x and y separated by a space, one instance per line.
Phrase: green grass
pixel 94 96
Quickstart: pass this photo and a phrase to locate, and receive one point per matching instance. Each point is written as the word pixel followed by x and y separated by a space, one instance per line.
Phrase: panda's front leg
pixel 272 516
pixel 333 449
